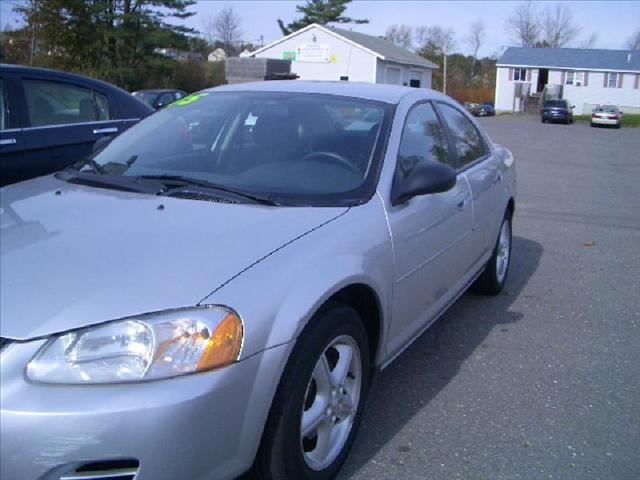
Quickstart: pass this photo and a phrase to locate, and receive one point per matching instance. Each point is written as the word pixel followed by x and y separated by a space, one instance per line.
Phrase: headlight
pixel 147 347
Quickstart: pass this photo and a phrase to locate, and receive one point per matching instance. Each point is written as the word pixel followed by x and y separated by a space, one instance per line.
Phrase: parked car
pixel 609 115
pixel 159 98
pixel 484 110
pixel 281 258
pixel 557 111
pixel 51 119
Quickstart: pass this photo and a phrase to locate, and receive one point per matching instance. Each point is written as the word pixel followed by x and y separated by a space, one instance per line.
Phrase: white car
pixel 607 115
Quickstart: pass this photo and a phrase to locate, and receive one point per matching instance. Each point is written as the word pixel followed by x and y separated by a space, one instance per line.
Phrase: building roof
pixel 392 94
pixel 572 58
pixel 379 46
pixel 386 48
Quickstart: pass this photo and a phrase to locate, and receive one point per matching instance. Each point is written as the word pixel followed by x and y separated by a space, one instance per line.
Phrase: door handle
pixel 462 203
pixel 499 177
pixel 8 141
pixel 105 130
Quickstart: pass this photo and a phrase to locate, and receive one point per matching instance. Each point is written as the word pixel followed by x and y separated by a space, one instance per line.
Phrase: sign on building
pixel 313 52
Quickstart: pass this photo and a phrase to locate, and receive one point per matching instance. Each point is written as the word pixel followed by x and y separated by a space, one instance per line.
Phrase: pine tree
pixel 321 12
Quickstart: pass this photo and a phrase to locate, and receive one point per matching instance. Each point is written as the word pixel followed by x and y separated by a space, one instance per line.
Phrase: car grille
pixel 3 343
pixel 108 470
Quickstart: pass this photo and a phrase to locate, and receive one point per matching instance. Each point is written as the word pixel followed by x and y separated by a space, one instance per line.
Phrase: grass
pixel 630 120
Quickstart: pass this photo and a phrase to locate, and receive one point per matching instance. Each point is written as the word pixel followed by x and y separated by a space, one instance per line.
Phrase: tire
pixel 284 452
pixel 543 120
pixel 593 125
pixel 492 280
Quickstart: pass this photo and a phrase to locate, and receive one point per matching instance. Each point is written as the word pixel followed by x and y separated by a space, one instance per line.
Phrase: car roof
pixel 158 90
pixel 57 74
pixel 369 91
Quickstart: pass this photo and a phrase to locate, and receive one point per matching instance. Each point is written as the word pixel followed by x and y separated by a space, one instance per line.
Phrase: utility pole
pixel 34 20
pixel 444 74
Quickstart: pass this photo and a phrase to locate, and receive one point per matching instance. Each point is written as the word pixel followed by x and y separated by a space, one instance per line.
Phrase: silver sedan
pixel 212 292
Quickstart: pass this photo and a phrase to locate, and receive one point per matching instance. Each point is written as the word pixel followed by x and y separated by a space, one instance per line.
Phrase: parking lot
pixel 542 381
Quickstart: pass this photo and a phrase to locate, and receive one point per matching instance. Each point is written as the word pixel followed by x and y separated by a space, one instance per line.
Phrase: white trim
pixel 581 69
pixel 326 30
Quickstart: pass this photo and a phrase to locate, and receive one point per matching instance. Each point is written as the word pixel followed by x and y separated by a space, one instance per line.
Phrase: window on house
pixel 344 78
pixel 519 74
pixel 574 78
pixel 612 82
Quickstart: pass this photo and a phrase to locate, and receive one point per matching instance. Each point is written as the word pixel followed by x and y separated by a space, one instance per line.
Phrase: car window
pixel 423 140
pixel 3 106
pixel 466 139
pixel 54 103
pixel 165 99
pixel 102 106
pixel 555 103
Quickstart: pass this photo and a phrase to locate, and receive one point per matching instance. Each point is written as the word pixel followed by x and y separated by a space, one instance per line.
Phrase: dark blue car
pixel 557 111
pixel 51 119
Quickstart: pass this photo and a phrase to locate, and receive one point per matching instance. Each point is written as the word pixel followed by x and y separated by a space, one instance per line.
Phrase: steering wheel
pixel 333 158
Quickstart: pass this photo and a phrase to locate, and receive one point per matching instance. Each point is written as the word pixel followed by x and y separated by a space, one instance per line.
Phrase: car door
pixel 11 134
pixel 430 233
pixel 64 121
pixel 484 173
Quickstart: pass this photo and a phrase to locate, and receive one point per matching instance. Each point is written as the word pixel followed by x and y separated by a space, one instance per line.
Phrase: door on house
pixel 543 79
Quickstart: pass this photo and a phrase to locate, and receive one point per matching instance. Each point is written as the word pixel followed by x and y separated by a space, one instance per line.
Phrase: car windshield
pixel 555 103
pixel 607 109
pixel 146 97
pixel 303 149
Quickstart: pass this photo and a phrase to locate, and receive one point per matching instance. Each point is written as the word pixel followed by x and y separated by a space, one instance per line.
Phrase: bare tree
pixel 633 43
pixel 224 27
pixel 435 41
pixel 590 42
pixel 401 35
pixel 557 27
pixel 523 26
pixel 475 39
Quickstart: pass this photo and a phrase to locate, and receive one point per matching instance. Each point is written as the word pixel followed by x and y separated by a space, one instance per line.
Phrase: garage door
pixel 393 76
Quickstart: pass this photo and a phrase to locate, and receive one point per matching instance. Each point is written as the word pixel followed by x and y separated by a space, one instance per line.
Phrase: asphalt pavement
pixel 542 381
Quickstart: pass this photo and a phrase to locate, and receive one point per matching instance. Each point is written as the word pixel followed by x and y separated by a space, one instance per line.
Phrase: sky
pixel 613 21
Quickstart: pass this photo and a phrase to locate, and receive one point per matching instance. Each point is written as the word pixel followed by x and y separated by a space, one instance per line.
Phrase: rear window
pixel 555 103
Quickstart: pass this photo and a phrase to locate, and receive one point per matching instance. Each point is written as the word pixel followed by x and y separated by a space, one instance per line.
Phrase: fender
pixel 277 297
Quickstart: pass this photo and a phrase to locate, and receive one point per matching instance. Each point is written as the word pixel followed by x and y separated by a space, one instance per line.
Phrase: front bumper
pixel 198 427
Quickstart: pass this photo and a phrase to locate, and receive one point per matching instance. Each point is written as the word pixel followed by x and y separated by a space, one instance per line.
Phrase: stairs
pixel 533 103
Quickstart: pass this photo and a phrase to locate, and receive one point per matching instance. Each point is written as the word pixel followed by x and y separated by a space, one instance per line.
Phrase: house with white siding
pixel 585 77
pixel 321 52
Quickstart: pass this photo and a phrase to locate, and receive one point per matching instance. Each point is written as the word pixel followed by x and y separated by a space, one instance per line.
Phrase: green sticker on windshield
pixel 188 99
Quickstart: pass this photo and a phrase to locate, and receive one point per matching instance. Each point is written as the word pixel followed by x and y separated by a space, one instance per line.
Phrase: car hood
pixel 73 255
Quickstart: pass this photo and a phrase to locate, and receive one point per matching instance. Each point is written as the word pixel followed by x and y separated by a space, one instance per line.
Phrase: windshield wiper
pixel 114 182
pixel 181 181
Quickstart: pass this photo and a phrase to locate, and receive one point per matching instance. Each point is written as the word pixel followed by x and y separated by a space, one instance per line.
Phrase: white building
pixel 585 77
pixel 319 52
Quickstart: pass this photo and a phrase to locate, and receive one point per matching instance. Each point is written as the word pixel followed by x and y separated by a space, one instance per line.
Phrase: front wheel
pixel 492 280
pixel 319 402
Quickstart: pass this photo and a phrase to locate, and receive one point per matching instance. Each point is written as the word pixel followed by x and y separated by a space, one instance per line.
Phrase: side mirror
pixel 158 105
pixel 424 179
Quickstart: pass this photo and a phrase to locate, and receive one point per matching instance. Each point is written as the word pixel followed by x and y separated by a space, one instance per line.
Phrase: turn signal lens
pixel 224 344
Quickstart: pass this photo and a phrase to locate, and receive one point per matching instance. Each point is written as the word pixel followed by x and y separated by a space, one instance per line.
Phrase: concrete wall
pixel 406 73
pixel 627 98
pixel 345 58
